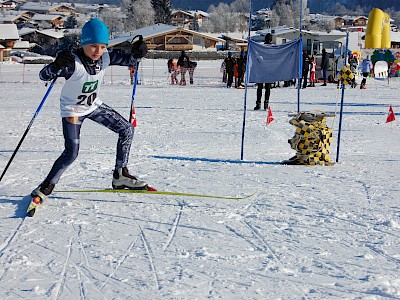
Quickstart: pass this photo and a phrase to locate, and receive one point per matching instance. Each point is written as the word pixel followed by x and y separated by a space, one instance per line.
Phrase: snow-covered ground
pixel 308 233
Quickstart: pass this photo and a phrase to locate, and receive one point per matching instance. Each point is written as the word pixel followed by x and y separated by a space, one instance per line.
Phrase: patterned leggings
pixel 103 115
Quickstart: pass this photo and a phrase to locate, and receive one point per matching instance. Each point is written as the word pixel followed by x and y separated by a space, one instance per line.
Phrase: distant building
pixel 47 8
pixel 170 38
pixel 188 19
pixel 8 37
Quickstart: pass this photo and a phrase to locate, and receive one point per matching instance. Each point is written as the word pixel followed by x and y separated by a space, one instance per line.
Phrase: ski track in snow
pixel 173 229
pixel 308 232
pixel 149 255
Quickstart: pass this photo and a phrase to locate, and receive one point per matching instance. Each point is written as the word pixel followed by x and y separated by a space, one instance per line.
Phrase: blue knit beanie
pixel 94 32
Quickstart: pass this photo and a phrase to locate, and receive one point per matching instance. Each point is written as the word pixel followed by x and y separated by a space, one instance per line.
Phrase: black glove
pixel 139 49
pixel 64 59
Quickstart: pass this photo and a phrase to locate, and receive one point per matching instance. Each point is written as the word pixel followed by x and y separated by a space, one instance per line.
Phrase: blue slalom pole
pixel 341 103
pixel 301 57
pixel 29 126
pixel 132 117
pixel 246 85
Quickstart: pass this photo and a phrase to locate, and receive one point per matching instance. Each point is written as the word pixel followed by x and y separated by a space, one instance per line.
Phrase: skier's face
pixel 94 51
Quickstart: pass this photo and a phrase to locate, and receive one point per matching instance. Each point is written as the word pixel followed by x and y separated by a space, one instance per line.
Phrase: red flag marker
pixel 391 117
pixel 270 117
pixel 134 122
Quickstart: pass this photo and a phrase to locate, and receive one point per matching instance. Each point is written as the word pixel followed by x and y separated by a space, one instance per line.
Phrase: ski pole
pixel 29 126
pixel 132 117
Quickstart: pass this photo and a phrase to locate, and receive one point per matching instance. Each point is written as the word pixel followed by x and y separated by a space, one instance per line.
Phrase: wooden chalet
pixel 169 38
pixel 182 18
pixel 48 21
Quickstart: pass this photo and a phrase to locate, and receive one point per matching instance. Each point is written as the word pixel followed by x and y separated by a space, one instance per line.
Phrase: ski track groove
pixel 7 244
pixel 156 222
pixel 120 262
pixel 384 255
pixel 322 263
pixel 361 225
pixel 172 231
pixel 81 285
pixel 90 280
pixel 10 238
pixel 238 234
pixel 61 281
pixel 148 251
pixel 262 240
pixel 82 249
pixel 257 235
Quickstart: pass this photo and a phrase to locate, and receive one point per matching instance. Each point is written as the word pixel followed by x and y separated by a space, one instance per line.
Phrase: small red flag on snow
pixel 390 116
pixel 270 117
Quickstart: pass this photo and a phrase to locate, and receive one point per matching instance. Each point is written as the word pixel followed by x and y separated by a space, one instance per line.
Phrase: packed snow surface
pixel 308 232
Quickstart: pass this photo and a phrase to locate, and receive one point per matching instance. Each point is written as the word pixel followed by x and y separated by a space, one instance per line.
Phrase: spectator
pixel 241 62
pixel 313 66
pixel 192 66
pixel 223 71
pixel 229 66
pixel 366 67
pixel 306 68
pixel 324 65
pixel 183 64
pixel 353 62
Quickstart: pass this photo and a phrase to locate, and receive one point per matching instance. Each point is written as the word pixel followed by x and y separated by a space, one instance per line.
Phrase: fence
pixel 151 71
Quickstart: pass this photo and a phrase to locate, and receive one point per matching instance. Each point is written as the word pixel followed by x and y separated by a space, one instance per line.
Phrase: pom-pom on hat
pixel 94 32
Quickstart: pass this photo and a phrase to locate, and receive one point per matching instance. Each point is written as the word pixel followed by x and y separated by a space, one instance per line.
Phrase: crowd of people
pixel 183 65
pixel 233 71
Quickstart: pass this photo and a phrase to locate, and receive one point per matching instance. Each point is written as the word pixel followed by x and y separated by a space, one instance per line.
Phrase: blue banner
pixel 269 63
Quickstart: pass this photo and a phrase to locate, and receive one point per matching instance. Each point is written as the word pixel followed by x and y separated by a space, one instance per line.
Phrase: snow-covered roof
pixel 156 30
pixel 8 18
pixel 199 12
pixel 41 6
pixel 276 30
pixel 57 34
pixel 43 17
pixel 25 30
pixel 8 32
pixel 21 45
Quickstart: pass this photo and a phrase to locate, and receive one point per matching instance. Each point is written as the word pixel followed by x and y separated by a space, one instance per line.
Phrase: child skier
pixel 83 70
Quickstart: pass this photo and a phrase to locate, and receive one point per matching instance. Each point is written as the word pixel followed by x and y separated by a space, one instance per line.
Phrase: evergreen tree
pixel 70 22
pixel 162 9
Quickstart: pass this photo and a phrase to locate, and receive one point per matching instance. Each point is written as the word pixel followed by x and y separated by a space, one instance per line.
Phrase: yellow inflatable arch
pixel 378 30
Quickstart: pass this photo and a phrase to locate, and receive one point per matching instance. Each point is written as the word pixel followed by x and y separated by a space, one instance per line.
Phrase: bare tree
pixel 274 19
pixel 296 13
pixel 114 20
pixel 285 13
pixel 241 6
pixel 139 13
pixel 228 18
